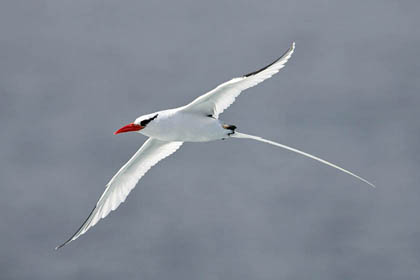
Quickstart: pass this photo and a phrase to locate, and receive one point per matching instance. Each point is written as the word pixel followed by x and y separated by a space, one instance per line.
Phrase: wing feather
pixel 118 188
pixel 217 100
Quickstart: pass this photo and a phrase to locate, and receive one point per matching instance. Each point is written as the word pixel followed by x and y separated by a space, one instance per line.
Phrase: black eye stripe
pixel 145 122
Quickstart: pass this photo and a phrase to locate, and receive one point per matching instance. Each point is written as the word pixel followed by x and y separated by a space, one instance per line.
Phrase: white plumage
pixel 117 190
pixel 219 99
pixel 197 121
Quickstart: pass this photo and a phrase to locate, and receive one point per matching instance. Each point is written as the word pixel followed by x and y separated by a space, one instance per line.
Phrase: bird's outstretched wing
pixel 217 100
pixel 117 190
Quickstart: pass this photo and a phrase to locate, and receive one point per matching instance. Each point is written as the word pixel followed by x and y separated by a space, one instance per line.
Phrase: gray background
pixel 72 72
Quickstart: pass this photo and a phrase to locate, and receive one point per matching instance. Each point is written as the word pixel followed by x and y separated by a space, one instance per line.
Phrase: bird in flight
pixel 167 130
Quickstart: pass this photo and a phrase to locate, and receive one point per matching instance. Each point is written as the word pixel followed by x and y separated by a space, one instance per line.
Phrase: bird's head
pixel 139 124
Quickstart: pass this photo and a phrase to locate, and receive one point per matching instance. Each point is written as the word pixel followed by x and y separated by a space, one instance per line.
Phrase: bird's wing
pixel 117 190
pixel 217 100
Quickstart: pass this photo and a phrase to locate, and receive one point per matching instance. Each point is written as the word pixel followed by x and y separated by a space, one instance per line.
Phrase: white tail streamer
pixel 257 138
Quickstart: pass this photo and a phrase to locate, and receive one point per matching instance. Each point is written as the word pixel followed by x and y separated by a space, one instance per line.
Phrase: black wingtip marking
pixel 262 69
pixel 265 67
pixel 77 231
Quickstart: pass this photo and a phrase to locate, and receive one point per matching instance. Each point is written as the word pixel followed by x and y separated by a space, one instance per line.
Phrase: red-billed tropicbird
pixel 167 130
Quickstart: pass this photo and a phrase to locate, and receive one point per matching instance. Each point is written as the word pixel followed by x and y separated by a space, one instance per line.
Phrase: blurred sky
pixel 72 72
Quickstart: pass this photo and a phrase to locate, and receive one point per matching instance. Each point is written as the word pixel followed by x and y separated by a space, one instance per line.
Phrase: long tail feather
pixel 257 138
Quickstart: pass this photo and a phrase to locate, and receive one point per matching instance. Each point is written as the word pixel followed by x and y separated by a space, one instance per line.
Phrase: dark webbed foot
pixel 230 127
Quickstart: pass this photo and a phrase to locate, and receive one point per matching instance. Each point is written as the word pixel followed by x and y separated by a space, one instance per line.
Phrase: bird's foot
pixel 230 127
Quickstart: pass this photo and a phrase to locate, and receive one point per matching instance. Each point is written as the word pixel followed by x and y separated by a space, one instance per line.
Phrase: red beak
pixel 129 127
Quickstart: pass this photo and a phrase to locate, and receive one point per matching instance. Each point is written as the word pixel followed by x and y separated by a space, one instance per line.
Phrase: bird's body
pixel 180 125
pixel 167 130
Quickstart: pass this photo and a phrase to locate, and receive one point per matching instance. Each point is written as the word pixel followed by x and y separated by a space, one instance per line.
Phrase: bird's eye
pixel 145 122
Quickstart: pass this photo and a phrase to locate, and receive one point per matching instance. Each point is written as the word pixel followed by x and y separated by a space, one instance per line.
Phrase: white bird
pixel 167 130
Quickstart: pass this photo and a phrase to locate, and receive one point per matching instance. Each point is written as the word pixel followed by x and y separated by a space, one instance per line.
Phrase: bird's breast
pixel 185 127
